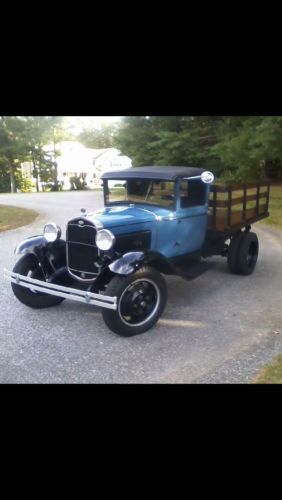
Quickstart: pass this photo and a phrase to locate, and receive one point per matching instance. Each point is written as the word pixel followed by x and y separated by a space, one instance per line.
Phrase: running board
pixel 193 271
pixel 94 299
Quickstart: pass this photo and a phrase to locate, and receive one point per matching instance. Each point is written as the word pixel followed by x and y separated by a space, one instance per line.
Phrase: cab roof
pixel 162 173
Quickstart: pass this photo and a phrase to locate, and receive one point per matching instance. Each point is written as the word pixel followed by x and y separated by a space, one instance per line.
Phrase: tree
pixel 30 139
pixel 13 147
pixel 38 132
pixel 98 137
pixel 56 133
pixel 44 133
pixel 241 147
pixel 252 149
pixel 169 140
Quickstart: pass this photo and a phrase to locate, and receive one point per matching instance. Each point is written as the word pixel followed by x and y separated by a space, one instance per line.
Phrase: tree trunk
pixel 12 176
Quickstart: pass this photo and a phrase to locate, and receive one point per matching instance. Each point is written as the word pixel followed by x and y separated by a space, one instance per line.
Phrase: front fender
pixel 132 261
pixel 52 256
pixel 30 244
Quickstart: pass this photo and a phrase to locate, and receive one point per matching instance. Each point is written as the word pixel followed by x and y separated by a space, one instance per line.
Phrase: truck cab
pixel 170 202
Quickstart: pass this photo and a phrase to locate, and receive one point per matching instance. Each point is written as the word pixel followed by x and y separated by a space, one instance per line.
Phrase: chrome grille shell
pixel 81 249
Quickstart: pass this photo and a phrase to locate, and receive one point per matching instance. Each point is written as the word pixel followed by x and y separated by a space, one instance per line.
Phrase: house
pixel 75 162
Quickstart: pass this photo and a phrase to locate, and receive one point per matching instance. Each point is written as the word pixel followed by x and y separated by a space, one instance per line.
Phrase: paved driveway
pixel 218 328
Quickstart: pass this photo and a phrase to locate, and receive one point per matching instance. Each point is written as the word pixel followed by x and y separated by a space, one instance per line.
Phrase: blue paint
pixel 174 232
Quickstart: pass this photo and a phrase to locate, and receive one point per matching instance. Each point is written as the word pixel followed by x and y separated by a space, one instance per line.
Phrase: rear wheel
pixel 248 254
pixel 141 299
pixel 28 265
pixel 233 250
pixel 243 253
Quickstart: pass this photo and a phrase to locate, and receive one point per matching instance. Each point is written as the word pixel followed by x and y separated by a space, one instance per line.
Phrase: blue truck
pixel 156 221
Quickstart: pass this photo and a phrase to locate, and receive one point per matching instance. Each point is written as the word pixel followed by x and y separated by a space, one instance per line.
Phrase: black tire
pixel 233 250
pixel 29 264
pixel 248 254
pixel 141 301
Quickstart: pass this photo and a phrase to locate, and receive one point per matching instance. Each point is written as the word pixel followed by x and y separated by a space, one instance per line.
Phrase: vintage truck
pixel 156 221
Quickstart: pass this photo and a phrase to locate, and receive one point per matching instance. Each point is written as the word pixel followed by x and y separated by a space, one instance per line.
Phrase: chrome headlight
pixel 52 232
pixel 105 239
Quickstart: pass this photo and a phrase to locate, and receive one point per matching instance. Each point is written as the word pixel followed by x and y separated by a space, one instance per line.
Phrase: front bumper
pixel 94 299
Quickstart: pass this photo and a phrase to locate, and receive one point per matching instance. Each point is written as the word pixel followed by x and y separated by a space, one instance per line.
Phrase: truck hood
pixel 125 215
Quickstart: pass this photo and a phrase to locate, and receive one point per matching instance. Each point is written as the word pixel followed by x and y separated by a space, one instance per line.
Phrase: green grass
pixel 275 208
pixel 12 217
pixel 271 374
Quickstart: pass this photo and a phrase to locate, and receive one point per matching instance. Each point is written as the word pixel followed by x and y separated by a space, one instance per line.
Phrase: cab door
pixel 186 233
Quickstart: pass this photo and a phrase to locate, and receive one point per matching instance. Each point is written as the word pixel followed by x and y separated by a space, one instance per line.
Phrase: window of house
pixel 192 193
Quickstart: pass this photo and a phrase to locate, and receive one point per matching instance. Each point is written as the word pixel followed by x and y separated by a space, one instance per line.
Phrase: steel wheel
pixel 141 299
pixel 139 302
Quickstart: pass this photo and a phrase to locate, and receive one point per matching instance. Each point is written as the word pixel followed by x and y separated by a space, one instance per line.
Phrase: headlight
pixel 52 232
pixel 105 239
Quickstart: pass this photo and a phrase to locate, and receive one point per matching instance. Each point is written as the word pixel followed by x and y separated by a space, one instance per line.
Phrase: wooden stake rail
pixel 237 205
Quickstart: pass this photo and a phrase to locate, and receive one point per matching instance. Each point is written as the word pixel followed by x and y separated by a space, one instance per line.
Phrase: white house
pixel 75 160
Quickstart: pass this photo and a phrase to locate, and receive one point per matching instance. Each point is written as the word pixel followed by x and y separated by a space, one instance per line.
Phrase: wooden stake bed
pixel 238 205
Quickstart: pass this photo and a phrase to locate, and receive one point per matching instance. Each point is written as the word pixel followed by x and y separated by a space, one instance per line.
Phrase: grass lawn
pixel 271 374
pixel 12 217
pixel 275 208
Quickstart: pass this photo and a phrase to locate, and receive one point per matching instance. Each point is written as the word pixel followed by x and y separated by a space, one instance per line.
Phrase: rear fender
pixel 132 261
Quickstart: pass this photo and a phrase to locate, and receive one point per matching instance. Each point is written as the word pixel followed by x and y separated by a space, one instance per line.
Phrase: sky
pixel 76 123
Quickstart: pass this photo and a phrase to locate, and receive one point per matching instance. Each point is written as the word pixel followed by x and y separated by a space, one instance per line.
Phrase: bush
pixel 26 185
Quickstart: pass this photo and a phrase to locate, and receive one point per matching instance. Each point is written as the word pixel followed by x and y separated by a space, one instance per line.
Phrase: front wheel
pixel 28 265
pixel 141 299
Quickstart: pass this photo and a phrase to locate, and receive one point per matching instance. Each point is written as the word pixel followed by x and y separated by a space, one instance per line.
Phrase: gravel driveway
pixel 220 328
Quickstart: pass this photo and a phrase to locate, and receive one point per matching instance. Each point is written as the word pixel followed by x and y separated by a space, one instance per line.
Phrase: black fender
pixel 51 255
pixel 30 244
pixel 132 261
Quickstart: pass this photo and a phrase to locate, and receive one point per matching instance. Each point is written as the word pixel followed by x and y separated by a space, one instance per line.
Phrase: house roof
pixel 95 153
pixel 162 173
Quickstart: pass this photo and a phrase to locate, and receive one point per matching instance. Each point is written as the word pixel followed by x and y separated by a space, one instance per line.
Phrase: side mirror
pixel 207 177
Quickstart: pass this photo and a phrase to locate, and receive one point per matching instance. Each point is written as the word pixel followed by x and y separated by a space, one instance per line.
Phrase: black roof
pixel 163 173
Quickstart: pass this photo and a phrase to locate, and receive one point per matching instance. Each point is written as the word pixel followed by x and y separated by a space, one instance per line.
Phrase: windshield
pixel 152 192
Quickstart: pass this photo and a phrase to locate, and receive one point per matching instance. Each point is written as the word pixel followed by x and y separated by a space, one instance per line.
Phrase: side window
pixel 192 193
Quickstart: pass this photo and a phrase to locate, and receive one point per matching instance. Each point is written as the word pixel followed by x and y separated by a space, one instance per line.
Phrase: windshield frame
pixel 130 203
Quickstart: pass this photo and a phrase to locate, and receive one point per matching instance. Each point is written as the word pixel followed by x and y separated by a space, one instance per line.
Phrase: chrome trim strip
pixel 167 218
pixel 82 225
pixel 159 217
pixel 83 280
pixel 148 211
pixel 85 272
pixel 98 225
pixel 62 291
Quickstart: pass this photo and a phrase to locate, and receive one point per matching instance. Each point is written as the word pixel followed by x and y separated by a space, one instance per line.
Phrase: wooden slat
pixel 237 201
pixel 236 218
pixel 249 197
pixel 223 188
pixel 223 217
pixel 218 203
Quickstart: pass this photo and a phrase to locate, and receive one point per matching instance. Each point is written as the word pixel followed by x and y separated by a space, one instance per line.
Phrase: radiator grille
pixel 82 251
